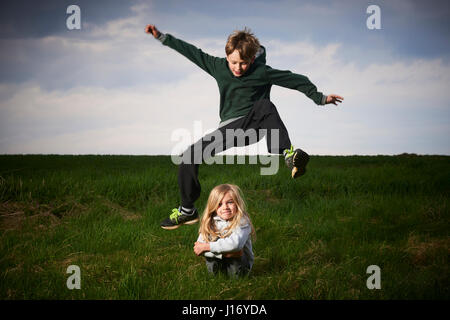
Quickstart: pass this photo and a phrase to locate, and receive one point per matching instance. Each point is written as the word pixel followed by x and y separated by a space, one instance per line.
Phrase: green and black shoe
pixel 296 161
pixel 177 218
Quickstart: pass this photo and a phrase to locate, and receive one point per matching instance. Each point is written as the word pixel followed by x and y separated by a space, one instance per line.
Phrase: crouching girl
pixel 225 232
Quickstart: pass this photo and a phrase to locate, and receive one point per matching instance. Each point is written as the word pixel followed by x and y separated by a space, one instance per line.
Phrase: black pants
pixel 263 115
pixel 233 267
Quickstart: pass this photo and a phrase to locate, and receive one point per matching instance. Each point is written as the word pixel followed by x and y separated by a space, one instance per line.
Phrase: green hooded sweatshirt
pixel 239 94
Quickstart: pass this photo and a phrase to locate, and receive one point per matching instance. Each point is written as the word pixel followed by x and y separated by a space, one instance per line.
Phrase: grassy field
pixel 316 235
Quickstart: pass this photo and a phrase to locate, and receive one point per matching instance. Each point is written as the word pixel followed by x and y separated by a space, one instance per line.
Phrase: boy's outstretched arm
pixel 288 79
pixel 333 98
pixel 196 55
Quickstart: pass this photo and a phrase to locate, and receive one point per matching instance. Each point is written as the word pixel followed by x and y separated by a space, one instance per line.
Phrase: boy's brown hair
pixel 244 42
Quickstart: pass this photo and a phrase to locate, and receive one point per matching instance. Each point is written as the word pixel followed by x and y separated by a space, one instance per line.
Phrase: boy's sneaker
pixel 296 160
pixel 178 218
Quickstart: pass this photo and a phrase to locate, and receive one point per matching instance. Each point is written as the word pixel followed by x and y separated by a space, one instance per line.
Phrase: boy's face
pixel 227 207
pixel 238 66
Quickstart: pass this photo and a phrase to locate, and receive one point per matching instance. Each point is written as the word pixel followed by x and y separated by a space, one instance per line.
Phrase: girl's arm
pixel 202 248
pixel 234 242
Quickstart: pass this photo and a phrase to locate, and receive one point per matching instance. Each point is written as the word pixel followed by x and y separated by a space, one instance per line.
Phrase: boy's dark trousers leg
pixel 263 115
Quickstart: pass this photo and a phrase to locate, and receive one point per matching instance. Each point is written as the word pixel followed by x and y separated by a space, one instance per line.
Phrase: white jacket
pixel 238 239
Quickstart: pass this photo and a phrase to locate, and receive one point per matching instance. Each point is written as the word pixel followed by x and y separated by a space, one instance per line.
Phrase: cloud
pixel 389 108
pixel 99 120
pixel 114 90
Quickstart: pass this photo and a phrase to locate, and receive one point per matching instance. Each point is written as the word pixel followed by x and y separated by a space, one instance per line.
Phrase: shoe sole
pixel 177 225
pixel 301 159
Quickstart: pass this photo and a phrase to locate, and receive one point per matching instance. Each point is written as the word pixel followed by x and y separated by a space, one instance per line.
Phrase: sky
pixel 110 88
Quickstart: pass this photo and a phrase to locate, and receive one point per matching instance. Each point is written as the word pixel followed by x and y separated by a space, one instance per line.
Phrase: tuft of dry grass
pixel 421 252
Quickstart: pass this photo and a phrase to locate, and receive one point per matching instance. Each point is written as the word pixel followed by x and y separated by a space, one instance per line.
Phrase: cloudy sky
pixel 109 88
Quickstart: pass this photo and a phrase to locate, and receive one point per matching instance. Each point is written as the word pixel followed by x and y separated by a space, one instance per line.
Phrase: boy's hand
pixel 150 28
pixel 333 98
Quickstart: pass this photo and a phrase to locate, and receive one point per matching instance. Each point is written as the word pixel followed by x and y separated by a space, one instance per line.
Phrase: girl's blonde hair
pixel 208 229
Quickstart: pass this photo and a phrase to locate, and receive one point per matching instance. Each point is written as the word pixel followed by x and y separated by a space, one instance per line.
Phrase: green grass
pixel 316 235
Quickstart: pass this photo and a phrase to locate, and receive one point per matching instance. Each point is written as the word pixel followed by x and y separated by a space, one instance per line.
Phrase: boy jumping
pixel 244 82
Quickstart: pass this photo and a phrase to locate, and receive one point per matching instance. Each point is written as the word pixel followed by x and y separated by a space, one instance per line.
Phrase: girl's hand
pixel 333 98
pixel 200 247
pixel 235 254
pixel 150 28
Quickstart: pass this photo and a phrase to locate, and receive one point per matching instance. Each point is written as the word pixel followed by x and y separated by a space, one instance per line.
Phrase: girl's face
pixel 227 207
